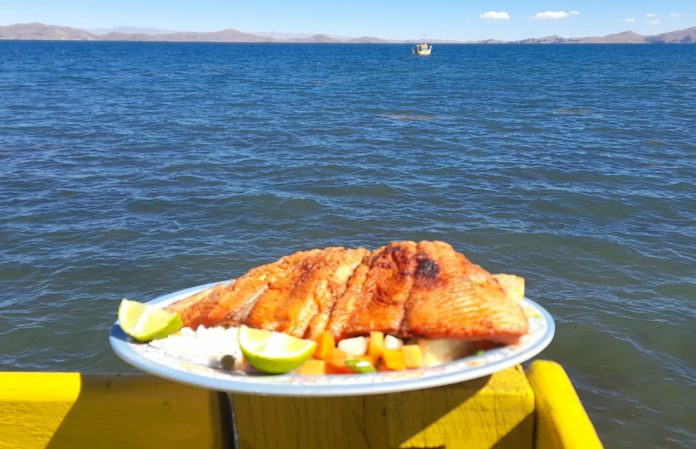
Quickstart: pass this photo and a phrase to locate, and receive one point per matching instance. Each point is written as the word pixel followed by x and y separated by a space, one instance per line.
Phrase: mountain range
pixel 40 31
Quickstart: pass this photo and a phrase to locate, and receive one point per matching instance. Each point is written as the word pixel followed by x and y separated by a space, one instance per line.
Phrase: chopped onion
pixel 391 342
pixel 353 346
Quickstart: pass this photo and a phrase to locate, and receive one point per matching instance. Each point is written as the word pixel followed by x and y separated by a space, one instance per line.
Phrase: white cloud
pixel 554 15
pixel 675 15
pixel 653 19
pixel 630 20
pixel 495 15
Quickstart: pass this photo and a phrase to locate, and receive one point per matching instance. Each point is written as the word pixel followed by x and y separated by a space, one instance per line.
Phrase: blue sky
pixel 398 19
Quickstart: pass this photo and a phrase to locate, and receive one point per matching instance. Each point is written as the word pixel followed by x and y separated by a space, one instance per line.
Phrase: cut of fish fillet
pixel 454 298
pixel 379 304
pixel 406 289
pixel 228 305
pixel 301 302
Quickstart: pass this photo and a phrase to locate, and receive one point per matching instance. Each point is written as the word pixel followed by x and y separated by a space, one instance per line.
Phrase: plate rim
pixel 122 346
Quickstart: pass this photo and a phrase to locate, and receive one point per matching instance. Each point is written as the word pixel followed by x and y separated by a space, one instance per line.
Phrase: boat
pixel 422 49
pixel 536 408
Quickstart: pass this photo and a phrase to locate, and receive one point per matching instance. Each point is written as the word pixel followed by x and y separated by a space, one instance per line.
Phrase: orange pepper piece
pixel 312 367
pixel 394 359
pixel 325 345
pixel 413 357
pixel 375 345
pixel 336 362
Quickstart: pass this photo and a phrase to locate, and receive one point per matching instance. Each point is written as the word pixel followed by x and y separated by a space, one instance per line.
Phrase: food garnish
pixel 405 305
pixel 360 366
pixel 145 322
pixel 273 352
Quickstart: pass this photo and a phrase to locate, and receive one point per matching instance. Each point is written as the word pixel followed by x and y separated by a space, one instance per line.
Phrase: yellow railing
pixel 510 409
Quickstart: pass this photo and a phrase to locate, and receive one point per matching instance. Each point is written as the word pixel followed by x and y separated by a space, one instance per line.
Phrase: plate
pixel 154 361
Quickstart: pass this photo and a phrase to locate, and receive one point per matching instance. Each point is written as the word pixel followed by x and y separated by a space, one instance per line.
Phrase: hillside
pixel 627 37
pixel 39 31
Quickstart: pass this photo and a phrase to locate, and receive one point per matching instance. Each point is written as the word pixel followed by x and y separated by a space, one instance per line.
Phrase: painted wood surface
pixel 561 419
pixel 71 410
pixel 495 411
pixel 510 409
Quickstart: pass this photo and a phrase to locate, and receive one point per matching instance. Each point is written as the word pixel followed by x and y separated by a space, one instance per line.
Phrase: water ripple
pixel 131 170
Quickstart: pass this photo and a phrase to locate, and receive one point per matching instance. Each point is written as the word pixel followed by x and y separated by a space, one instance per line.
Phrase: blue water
pixel 136 169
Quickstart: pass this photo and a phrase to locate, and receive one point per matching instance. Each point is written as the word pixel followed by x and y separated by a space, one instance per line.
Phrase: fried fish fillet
pixel 301 302
pixel 406 289
pixel 229 305
pixel 379 303
pixel 454 298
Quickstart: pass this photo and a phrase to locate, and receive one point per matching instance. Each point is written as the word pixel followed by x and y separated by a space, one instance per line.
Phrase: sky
pixel 392 19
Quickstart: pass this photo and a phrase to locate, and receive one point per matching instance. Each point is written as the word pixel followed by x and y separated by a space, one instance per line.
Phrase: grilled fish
pixel 406 289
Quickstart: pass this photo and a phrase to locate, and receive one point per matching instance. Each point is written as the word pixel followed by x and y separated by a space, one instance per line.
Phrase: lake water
pixel 136 169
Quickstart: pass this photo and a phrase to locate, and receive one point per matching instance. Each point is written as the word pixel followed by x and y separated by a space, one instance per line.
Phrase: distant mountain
pixel 228 35
pixel 129 30
pixel 282 36
pixel 329 39
pixel 542 40
pixel 39 31
pixel 316 38
pixel 686 36
pixel 369 40
pixel 627 37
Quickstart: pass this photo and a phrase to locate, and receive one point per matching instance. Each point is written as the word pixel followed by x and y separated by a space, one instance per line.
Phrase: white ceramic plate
pixel 154 361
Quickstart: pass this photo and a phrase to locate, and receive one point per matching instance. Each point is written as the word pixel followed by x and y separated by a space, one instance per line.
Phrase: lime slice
pixel 273 352
pixel 144 322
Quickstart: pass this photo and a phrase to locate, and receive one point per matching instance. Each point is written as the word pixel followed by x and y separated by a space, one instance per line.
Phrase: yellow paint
pixel 483 413
pixel 70 410
pixel 561 419
pixel 33 406
pixel 494 411
pixel 506 410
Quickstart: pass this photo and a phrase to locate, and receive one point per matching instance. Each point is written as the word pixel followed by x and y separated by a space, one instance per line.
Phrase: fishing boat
pixel 422 49
pixel 536 408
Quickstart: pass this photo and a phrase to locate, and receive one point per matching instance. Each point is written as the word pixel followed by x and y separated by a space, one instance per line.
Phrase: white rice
pixel 207 346
pixel 203 346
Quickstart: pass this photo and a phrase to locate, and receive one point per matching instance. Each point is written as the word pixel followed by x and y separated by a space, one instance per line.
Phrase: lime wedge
pixel 144 322
pixel 273 352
